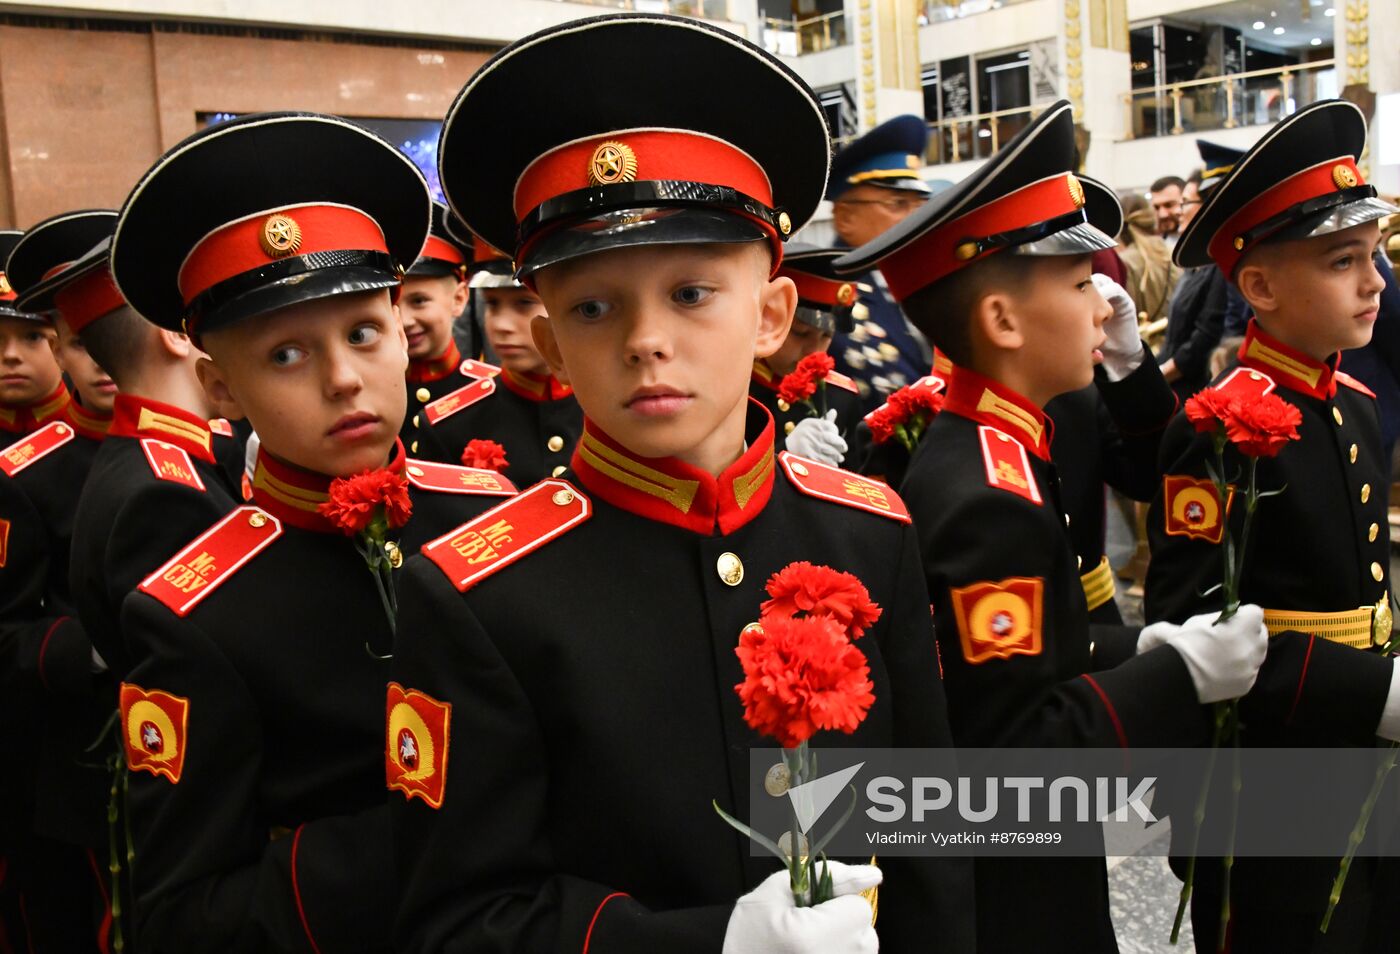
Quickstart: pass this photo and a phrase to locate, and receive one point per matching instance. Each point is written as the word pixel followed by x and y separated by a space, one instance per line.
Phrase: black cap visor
pixel 631 228
pixel 236 301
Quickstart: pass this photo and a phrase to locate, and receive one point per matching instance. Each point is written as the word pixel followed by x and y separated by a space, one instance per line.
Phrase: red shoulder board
pixel 154 729
pixel 211 558
pixel 473 368
pixel 450 404
pixel 454 479
pixel 825 482
pixel 506 533
pixel 841 381
pixel 1008 467
pixel 27 450
pixel 1246 382
pixel 1344 378
pixel 417 728
pixel 171 463
pixel 221 426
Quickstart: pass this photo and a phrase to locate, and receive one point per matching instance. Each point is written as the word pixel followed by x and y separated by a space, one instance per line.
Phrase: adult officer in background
pixel 874 185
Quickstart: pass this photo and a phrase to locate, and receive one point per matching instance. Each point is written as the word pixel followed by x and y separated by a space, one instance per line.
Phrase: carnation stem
pixel 1236 783
pixel 1198 818
pixel 1358 831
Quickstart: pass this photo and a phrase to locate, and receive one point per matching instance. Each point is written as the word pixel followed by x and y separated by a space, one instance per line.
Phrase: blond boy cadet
pixel 253 718
pixel 434 293
pixel 824 309
pixel 576 673
pixel 1293 226
pixel 520 405
pixel 996 271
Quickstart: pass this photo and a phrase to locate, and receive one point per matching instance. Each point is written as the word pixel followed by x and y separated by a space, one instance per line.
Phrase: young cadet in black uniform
pixel 570 655
pixel 996 271
pixel 50 679
pixel 824 303
pixel 520 405
pixel 32 392
pixel 1293 226
pixel 1108 434
pixel 434 293
pixel 874 184
pixel 253 717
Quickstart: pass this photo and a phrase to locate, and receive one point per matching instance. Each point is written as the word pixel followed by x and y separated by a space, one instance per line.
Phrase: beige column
pixel 886 35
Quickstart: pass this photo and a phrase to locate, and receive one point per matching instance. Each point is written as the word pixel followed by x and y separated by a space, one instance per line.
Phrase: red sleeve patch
pixel 473 368
pixel 154 729
pixel 171 463
pixel 450 404
pixel 1000 620
pixel 454 479
pixel 211 558
pixel 33 447
pixel 1008 466
pixel 1344 378
pixel 1192 508
pixel 417 729
pixel 504 534
pixel 825 482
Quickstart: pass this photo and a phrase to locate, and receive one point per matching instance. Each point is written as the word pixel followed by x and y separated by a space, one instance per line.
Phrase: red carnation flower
pixel 802 676
pixel 1208 410
pixel 881 424
pixel 821 591
pixel 486 455
pixel 1260 427
pixel 354 502
pixel 796 387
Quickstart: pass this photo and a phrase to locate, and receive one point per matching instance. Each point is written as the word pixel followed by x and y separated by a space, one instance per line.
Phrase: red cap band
pixel 255 241
pixel 483 253
pixel 646 155
pixel 822 291
pixel 442 250
pixel 934 254
pixel 82 302
pixel 1227 245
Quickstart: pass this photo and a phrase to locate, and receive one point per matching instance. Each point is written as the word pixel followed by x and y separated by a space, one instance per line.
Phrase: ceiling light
pixel 1316 41
pixel 1258 24
pixel 1278 31
pixel 1329 12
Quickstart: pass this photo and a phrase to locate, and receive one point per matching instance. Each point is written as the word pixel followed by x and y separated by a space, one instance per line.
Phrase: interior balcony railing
pixel 977 135
pixel 796 36
pixel 1253 98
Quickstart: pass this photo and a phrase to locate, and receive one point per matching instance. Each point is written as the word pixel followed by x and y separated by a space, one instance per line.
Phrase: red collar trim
pixel 669 491
pixel 764 376
pixel 534 387
pixel 87 423
pixel 292 494
pixel 1288 366
pixel 983 400
pixel 26 420
pixel 427 370
pixel 140 417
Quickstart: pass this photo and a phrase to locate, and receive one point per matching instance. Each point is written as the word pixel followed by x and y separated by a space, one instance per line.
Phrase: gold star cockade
pixel 612 162
pixel 281 236
pixel 1076 192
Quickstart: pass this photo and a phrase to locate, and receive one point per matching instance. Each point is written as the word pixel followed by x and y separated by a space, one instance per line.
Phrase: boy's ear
pixel 777 301
pixel 996 322
pixel 460 294
pixel 211 378
pixel 548 347
pixel 176 345
pixel 1257 287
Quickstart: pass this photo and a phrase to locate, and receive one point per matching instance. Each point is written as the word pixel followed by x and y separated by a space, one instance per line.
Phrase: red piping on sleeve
pixel 296 890
pixel 589 936
pixel 43 648
pixel 1112 712
pixel 1298 693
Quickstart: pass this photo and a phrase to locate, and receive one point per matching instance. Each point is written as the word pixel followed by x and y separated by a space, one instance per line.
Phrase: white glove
pixel 1223 660
pixel 1123 351
pixel 818 439
pixel 766 921
pixel 1390 715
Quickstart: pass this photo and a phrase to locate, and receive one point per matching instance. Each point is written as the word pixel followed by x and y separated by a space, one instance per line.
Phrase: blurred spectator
pixel 1165 196
pixel 1151 274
